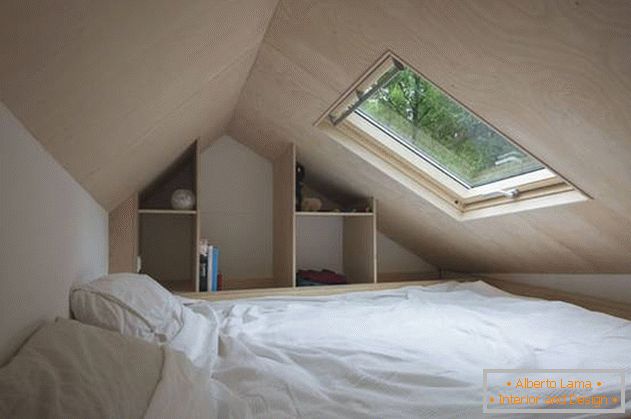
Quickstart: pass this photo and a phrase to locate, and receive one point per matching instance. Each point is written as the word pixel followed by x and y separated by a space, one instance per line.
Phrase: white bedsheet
pixel 188 392
pixel 413 352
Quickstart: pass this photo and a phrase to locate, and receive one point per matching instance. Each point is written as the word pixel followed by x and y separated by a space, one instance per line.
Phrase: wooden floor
pixel 595 304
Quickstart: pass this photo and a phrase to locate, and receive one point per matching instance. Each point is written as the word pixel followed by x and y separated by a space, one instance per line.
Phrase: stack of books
pixel 208 267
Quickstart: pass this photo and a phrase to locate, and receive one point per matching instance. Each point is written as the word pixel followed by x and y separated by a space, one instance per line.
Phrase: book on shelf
pixel 213 269
pixel 208 266
pixel 203 265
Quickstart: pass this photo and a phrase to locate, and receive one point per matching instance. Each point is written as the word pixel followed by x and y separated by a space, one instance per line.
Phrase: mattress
pixel 410 352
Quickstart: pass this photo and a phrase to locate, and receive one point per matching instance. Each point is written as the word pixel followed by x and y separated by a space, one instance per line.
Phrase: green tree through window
pixel 418 114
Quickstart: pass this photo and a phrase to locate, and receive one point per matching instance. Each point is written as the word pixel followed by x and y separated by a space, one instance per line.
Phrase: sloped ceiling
pixel 553 74
pixel 116 89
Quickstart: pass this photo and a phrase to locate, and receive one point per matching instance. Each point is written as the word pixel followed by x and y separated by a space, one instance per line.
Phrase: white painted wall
pixel 614 287
pixel 394 258
pixel 235 200
pixel 52 233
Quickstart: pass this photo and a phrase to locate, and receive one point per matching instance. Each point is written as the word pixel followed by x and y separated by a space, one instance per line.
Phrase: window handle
pixel 510 193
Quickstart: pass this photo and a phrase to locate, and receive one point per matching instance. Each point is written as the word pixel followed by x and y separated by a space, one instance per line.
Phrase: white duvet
pixel 412 352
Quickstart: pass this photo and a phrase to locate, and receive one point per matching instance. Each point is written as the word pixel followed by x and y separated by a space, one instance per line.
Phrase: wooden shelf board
pixel 167 211
pixel 333 214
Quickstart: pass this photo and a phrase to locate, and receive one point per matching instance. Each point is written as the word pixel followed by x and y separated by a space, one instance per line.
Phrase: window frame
pixel 537 189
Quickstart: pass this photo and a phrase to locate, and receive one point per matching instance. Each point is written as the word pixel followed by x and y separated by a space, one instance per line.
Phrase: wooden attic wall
pixel 553 74
pixel 115 90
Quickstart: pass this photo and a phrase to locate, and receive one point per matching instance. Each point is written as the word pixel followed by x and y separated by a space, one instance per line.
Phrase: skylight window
pixel 430 123
pixel 411 123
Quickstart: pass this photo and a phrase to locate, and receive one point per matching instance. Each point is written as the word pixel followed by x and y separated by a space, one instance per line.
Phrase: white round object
pixel 311 204
pixel 183 199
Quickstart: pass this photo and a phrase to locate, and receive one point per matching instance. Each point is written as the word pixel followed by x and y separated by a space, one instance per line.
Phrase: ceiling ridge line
pixel 258 53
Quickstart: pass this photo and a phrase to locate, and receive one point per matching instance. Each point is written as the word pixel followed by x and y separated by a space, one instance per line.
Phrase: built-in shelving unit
pixel 167 240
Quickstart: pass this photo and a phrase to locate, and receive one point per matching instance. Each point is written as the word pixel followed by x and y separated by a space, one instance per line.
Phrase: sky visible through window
pixel 419 115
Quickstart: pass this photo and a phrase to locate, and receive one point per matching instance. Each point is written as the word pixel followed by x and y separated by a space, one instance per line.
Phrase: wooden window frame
pixel 538 189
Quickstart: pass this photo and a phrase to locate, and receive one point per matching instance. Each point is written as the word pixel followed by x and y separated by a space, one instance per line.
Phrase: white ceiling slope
pixel 116 89
pixel 553 74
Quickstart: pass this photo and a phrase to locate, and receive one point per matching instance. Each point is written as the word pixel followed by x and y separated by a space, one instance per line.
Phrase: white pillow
pixel 71 370
pixel 132 304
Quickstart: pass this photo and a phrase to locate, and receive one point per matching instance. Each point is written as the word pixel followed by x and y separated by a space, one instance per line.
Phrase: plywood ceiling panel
pixel 553 74
pixel 113 89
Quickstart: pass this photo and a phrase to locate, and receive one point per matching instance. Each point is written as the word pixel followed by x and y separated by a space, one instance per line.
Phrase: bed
pixel 410 352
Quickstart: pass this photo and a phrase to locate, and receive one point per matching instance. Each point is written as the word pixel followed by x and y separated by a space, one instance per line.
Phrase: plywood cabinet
pixel 146 233
pixel 146 228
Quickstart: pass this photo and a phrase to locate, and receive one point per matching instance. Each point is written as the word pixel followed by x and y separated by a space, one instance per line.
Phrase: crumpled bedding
pixel 411 352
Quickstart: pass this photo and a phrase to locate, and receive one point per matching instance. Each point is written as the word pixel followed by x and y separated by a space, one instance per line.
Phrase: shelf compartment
pixel 167 243
pixel 339 243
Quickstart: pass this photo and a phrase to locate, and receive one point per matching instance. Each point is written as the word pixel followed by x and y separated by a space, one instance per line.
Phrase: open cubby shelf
pixel 182 174
pixel 340 242
pixel 168 238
